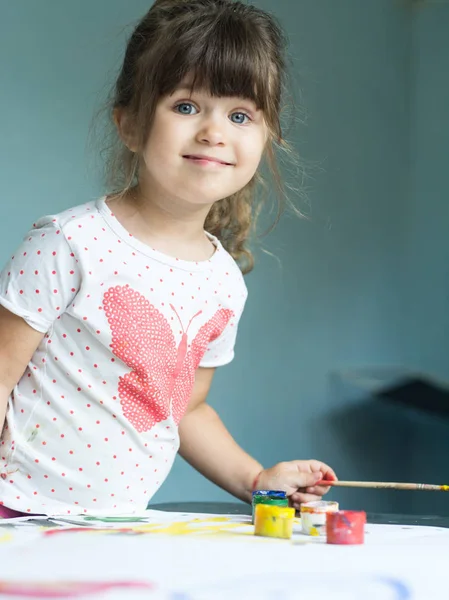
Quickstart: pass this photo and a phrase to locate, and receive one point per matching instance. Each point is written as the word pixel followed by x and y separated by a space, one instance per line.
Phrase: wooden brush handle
pixel 386 485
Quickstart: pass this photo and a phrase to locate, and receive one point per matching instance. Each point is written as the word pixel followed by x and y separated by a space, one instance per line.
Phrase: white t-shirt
pixel 92 426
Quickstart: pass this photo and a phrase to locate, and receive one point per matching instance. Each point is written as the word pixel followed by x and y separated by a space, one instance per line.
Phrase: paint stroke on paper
pixel 208 526
pixel 290 586
pixel 66 589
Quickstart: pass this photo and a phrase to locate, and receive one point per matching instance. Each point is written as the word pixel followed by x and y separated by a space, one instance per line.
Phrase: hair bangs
pixel 226 59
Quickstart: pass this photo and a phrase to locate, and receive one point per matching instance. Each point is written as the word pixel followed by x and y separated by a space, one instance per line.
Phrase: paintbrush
pixel 386 485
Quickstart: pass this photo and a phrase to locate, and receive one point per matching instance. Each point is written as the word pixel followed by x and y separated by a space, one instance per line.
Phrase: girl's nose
pixel 212 132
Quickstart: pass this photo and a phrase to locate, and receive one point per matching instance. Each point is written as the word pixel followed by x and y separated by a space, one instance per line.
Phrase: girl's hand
pixel 298 479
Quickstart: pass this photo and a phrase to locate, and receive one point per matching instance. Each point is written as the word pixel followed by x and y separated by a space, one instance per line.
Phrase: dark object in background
pixel 417 392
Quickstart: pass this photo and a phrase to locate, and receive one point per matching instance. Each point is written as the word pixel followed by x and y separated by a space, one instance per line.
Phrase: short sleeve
pixel 221 351
pixel 42 278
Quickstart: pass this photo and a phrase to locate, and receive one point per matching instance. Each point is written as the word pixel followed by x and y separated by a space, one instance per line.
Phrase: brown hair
pixel 228 48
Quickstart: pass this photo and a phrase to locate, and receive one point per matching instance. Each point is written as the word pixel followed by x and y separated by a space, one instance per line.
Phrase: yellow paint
pixel 208 526
pixel 196 526
pixel 212 527
pixel 445 488
pixel 314 531
pixel 274 521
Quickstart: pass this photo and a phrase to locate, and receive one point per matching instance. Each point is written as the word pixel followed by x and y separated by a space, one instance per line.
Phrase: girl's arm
pixel 208 446
pixel 18 342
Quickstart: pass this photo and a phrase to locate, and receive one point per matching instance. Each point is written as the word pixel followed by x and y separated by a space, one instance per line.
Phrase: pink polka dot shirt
pixel 92 425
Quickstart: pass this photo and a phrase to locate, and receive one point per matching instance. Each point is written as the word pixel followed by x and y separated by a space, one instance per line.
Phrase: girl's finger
pixel 317 490
pixel 302 498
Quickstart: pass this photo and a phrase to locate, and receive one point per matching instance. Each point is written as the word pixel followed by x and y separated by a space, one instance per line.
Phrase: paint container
pixel 274 521
pixel 346 527
pixel 270 497
pixel 313 516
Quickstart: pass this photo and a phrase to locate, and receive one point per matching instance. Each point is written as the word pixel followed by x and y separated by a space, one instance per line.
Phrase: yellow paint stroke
pixel 205 526
pixel 445 488
pixel 208 526
pixel 211 525
pixel 6 537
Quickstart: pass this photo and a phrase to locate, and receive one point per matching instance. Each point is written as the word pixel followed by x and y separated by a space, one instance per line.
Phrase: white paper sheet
pixel 199 557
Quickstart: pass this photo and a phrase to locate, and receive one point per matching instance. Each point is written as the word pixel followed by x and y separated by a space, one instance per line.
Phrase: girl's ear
pixel 125 128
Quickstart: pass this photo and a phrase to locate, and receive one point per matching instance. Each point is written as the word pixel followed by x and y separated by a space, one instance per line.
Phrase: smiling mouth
pixel 207 160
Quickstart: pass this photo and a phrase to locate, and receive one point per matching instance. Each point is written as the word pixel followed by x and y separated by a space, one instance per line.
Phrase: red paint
pixel 345 527
pixel 102 530
pixel 66 589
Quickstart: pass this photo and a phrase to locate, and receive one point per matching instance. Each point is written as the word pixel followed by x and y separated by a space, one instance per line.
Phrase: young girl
pixel 114 314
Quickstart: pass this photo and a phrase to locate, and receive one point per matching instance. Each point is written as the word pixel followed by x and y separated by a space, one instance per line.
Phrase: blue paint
pixel 289 586
pixel 399 587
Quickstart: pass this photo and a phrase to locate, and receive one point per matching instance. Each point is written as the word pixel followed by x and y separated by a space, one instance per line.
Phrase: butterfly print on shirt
pixel 163 372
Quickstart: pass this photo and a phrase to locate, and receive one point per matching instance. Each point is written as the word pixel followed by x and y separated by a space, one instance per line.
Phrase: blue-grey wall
pixel 341 298
pixel 426 256
pixel 427 215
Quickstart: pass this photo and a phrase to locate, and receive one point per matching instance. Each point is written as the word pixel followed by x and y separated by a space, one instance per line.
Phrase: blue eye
pixel 240 120
pixel 185 108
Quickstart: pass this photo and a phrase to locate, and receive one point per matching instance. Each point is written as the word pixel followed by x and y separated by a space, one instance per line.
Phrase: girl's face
pixel 201 148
